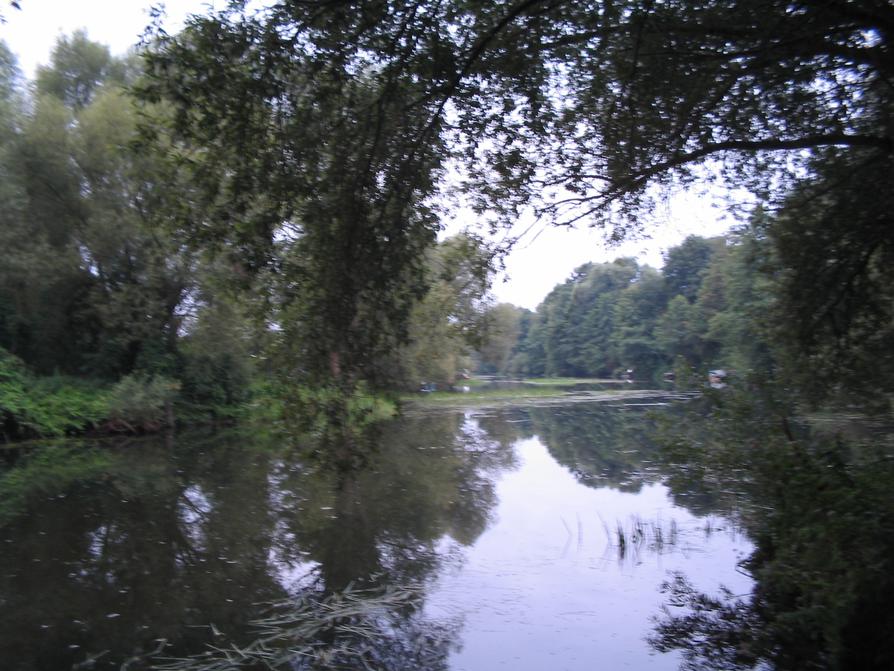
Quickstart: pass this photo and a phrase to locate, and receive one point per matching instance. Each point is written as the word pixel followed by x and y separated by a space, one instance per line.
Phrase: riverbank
pixel 38 407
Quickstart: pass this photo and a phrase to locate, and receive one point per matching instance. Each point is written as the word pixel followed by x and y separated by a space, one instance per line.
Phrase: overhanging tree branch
pixel 640 177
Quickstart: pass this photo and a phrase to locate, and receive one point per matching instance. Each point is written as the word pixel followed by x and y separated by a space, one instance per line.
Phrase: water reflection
pixel 603 446
pixel 818 504
pixel 160 541
pixel 426 479
pixel 102 566
pixel 550 587
pixel 463 540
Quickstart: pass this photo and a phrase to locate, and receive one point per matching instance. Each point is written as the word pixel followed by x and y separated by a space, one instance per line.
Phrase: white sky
pixel 534 267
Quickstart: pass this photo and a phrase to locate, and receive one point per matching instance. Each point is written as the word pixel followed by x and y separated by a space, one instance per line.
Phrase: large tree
pixel 606 99
pixel 316 158
pixel 87 285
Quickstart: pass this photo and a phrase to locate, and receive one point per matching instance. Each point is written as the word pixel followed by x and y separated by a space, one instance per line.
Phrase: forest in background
pixel 705 308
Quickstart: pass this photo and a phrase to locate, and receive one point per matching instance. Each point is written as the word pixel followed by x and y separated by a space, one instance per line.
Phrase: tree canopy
pixel 315 161
pixel 331 124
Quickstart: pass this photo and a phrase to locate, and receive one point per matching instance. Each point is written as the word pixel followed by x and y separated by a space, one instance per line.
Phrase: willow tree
pixel 590 105
pixel 86 287
pixel 315 158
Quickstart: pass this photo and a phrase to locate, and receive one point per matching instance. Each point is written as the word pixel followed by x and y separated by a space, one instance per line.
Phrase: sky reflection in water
pixel 545 585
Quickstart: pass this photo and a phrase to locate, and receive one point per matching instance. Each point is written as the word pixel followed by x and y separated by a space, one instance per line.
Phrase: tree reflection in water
pixel 183 542
pixel 816 503
pixel 223 541
pixel 819 508
pixel 603 445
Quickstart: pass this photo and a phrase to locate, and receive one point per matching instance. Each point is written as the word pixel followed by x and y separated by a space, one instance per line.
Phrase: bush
pixel 55 406
pixel 142 403
pixel 215 380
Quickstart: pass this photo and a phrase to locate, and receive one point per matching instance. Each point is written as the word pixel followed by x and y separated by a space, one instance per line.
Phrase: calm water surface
pixel 537 538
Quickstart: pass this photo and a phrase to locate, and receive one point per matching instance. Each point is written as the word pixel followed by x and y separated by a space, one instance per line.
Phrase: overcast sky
pixel 540 261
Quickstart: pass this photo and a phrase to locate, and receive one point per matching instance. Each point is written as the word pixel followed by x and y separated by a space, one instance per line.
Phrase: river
pixel 526 538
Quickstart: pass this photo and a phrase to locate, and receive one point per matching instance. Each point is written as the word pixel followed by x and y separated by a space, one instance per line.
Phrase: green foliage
pixel 313 170
pixel 835 280
pixel 88 286
pixel 366 408
pixel 608 319
pixel 78 68
pixel 304 146
pixel 678 330
pixel 502 324
pixel 611 100
pixel 47 407
pixel 686 264
pixel 139 402
pixel 449 320
pixel 67 405
pixel 215 368
pixel 598 322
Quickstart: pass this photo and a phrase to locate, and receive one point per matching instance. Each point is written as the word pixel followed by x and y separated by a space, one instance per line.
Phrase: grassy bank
pixel 35 407
pixel 55 406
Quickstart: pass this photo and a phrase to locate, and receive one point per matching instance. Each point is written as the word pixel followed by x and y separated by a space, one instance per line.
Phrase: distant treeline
pixel 702 309
pixel 725 302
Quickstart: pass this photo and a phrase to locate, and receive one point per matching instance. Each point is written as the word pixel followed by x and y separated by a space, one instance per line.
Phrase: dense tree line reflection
pixel 183 541
pixel 815 497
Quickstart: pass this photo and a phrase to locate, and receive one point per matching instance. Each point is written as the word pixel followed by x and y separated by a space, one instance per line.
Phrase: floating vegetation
pixel 355 629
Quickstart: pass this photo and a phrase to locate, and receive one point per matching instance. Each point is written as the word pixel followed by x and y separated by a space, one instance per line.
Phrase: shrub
pixel 54 406
pixel 142 403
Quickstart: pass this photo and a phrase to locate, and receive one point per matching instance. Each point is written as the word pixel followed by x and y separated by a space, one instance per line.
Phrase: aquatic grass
pixel 527 396
pixel 532 395
pixel 568 381
pixel 482 395
pixel 351 629
pixel 638 535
